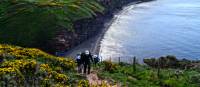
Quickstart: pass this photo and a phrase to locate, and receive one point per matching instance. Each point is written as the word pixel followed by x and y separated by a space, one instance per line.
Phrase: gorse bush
pixel 8 52
pixel 29 67
pixel 83 83
pixel 109 66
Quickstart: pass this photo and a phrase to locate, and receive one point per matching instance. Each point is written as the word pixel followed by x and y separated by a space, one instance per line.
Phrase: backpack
pixel 96 59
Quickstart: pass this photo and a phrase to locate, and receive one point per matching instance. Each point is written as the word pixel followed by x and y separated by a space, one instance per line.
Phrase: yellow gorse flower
pixel 6 70
pixel 21 62
pixel 60 77
pixel 32 53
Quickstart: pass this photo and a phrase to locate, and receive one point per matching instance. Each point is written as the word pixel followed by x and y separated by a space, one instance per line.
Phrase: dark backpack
pixel 96 59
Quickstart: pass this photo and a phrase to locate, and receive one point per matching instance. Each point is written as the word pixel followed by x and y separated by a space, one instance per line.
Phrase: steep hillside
pixel 32 67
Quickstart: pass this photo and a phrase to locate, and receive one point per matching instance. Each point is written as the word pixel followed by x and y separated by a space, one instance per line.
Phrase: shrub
pixel 8 52
pixel 83 83
pixel 109 66
pixel 24 66
pixel 195 79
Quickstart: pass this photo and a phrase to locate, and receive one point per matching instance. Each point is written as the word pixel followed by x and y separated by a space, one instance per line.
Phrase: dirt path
pixel 94 80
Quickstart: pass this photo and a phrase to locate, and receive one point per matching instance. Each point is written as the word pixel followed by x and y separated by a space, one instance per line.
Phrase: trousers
pixel 87 66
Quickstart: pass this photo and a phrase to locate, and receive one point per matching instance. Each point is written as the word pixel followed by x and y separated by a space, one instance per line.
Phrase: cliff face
pixel 86 28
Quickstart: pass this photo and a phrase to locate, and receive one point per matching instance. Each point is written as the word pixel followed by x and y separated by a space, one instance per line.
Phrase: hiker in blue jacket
pixel 96 59
pixel 79 62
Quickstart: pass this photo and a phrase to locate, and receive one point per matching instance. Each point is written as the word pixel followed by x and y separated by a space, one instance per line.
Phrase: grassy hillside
pixel 34 23
pixel 32 67
pixel 145 76
pixel 28 67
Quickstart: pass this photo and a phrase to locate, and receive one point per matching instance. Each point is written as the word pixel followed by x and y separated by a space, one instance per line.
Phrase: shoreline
pixel 94 43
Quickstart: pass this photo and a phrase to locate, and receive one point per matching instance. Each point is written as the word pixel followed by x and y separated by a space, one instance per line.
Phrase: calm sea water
pixel 154 29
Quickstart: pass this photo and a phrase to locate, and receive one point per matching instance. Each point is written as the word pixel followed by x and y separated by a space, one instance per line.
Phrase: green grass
pixel 145 76
pixel 20 66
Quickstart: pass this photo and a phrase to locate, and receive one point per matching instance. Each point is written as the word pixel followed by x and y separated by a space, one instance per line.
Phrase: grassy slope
pixel 145 76
pixel 29 67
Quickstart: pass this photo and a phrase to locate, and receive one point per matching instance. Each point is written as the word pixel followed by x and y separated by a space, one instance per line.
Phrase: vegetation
pixel 33 67
pixel 145 76
pixel 29 67
pixel 32 23
pixel 171 62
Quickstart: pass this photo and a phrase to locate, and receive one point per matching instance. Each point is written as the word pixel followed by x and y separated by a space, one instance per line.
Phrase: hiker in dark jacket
pixel 79 62
pixel 1 59
pixel 96 59
pixel 86 58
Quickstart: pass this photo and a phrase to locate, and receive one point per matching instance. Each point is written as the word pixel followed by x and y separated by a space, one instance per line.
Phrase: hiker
pixel 79 62
pixel 1 59
pixel 86 59
pixel 96 59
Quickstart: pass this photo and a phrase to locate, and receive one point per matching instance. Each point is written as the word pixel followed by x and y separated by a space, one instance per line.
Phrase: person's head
pixel 95 56
pixel 87 52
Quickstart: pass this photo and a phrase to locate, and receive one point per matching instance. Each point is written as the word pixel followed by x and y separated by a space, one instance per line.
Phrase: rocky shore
pixel 89 32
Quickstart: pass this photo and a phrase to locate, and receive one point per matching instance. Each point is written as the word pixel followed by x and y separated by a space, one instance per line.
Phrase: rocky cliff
pixel 86 28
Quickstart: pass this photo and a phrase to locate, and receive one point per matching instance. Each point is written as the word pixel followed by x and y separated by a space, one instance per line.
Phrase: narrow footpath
pixel 94 80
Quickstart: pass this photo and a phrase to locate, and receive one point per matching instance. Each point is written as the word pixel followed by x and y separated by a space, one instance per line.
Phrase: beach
pixel 93 43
